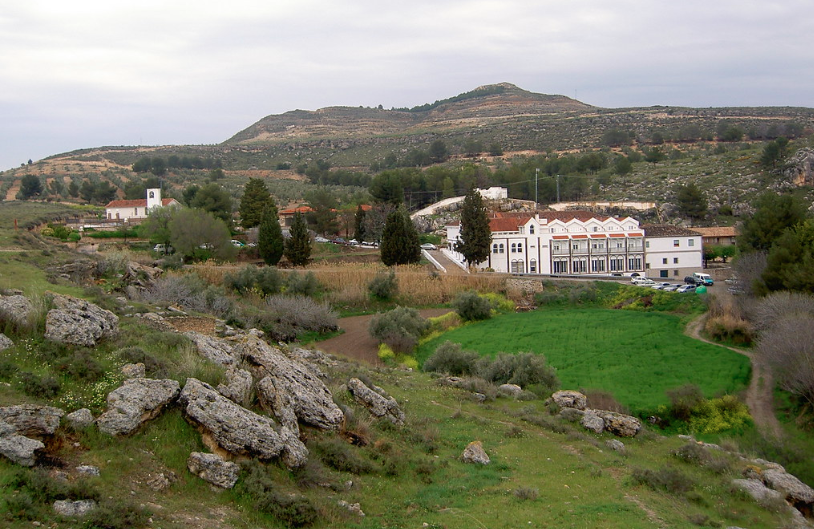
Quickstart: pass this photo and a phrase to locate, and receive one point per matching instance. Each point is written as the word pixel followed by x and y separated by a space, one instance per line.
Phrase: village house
pixel 672 252
pixel 717 235
pixel 137 210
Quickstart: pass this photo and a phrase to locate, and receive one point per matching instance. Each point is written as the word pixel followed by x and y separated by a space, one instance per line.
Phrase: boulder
pixel 215 349
pixel 353 508
pixel 213 469
pixel 18 448
pixel 620 424
pixel 378 405
pixel 75 321
pixel 139 275
pixel 570 399
pixel 74 508
pixel 509 390
pixel 289 382
pixel 88 470
pixel 593 422
pixel 238 387
pixel 134 370
pixel 757 490
pixel 32 420
pixel 16 309
pixel 5 342
pixel 156 322
pixel 81 418
pixel 474 453
pixel 792 488
pixel 231 429
pixel 138 400
pixel 616 445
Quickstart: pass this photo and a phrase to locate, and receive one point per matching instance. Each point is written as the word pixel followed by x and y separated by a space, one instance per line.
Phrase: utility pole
pixel 536 176
pixel 558 189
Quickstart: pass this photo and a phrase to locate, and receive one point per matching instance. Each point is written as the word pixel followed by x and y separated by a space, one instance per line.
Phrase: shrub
pixel 665 479
pixel 472 307
pixel 526 493
pixel 81 366
pixel 523 369
pixel 264 280
pixel 683 400
pixel 339 455
pixel 399 328
pixel 450 358
pixel 7 369
pixel 286 316
pixel 383 286
pixel 718 415
pixel 302 284
pixel 604 400
pixel 153 366
pixel 46 387
pixel 260 489
pixel 117 514
pixel 729 328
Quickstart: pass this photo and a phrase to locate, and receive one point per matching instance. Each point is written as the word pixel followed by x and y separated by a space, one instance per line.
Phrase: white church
pixel 137 210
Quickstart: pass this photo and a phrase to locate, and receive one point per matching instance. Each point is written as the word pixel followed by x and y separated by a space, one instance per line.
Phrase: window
pixel 497 248
pixel 676 243
pixel 617 263
pixel 647 244
pixel 663 273
pixel 596 229
pixel 634 262
pixel 517 267
pixel 675 260
pixel 675 273
pixel 597 265
pixel 517 247
pixel 533 266
pixel 531 229
pixel 521 229
pixel 579 266
pixel 664 260
pixel 690 242
pixel 560 267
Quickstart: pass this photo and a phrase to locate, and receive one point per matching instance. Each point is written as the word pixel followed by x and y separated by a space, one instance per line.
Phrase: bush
pixel 399 328
pixel 153 366
pixel 683 400
pixel 117 514
pixel 45 387
pixel 665 479
pixel 287 316
pixel 81 366
pixel 260 489
pixel 450 358
pixel 523 369
pixel 264 280
pixel 472 307
pixel 718 415
pixel 384 286
pixel 302 284
pixel 7 369
pixel 339 455
pixel 727 328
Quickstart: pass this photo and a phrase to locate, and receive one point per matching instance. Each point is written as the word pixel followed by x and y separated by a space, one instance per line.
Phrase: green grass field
pixel 636 356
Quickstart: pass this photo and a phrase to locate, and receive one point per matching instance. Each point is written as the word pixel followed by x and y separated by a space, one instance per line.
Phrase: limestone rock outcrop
pixel 138 400
pixel 81 418
pixel 5 342
pixel 228 428
pixel 215 349
pixel 32 420
pixel 16 309
pixel 286 382
pixel 474 453
pixel 620 424
pixel 18 448
pixel 238 387
pixel 74 509
pixel 570 399
pixel 213 469
pixel 377 402
pixel 76 321
pixel 794 490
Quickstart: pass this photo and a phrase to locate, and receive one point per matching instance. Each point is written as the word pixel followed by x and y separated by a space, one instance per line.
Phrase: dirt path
pixel 356 343
pixel 759 397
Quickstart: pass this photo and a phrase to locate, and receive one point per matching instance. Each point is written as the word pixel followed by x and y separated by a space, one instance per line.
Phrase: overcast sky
pixel 88 73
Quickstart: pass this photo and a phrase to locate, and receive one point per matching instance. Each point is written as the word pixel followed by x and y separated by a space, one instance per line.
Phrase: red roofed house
pixel 560 242
pixel 137 209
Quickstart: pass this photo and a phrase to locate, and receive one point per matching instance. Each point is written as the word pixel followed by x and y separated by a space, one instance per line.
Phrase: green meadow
pixel 636 356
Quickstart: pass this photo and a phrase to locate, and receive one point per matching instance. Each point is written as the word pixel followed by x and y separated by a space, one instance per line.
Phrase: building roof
pixel 507 224
pixel 139 203
pixel 717 231
pixel 667 230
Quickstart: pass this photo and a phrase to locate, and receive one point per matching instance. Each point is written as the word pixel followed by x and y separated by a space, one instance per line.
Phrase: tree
pixel 156 227
pixel 622 165
pixel 213 199
pixel 476 237
pixel 73 189
pixel 197 234
pixel 400 244
pixel 438 151
pixel 270 242
pixel 691 201
pixel 495 149
pixel 256 198
pixel 654 155
pixel 322 216
pixel 30 186
pixel 472 147
pixel 773 214
pixel 298 246
pixel 359 224
pixel 375 220
pixel 104 192
pixel 615 138
pixel 786 346
pixel 387 186
pixel 87 190
pixel 774 152
pixel 790 262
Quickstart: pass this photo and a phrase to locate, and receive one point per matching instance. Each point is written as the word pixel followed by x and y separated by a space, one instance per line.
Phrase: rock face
pixel 212 468
pixel 287 383
pixel 32 420
pixel 214 349
pixel 229 428
pixel 238 387
pixel 135 402
pixel 74 508
pixel 140 275
pixel 78 322
pixel 5 342
pixel 799 168
pixel 794 490
pixel 379 405
pixel 474 453
pixel 18 448
pixel 16 309
pixel 570 399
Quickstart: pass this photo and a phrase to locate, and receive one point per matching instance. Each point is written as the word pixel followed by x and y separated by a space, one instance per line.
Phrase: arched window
pixel 533 266
pixel 152 194
pixel 531 229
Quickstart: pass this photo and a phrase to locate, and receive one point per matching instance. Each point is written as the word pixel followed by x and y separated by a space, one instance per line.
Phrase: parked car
pixel 321 239
pixel 643 282
pixel 690 280
pixel 661 286
pixel 428 246
pixel 686 288
pixel 160 248
pixel 339 240
pixel 671 288
pixel 237 244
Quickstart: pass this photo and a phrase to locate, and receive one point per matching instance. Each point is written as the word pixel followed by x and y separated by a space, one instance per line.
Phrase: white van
pixel 704 279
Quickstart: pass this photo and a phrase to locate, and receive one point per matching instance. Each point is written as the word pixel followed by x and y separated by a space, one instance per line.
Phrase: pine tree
pixel 298 247
pixel 255 198
pixel 400 243
pixel 359 224
pixel 270 242
pixel 475 233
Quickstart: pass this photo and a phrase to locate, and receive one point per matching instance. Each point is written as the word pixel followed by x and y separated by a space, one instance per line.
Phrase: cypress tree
pixel 400 243
pixel 359 224
pixel 298 247
pixel 255 198
pixel 270 242
pixel 475 233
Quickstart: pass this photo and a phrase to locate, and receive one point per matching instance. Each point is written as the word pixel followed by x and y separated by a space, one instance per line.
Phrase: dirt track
pixel 356 343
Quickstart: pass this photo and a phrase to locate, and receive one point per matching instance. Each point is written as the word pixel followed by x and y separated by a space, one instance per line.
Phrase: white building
pixel 137 209
pixel 568 242
pixel 672 252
